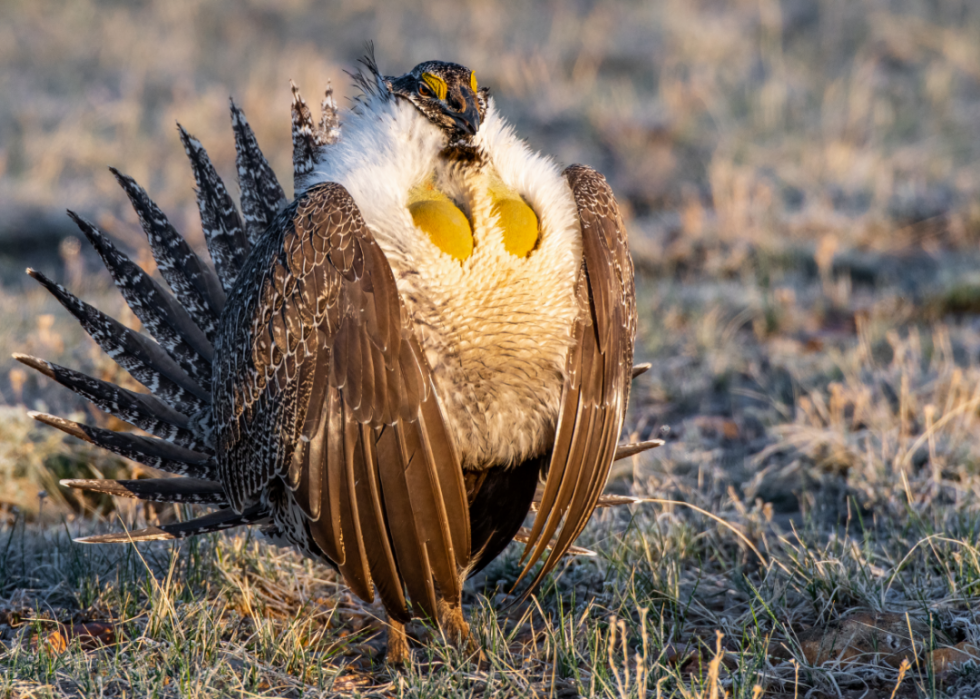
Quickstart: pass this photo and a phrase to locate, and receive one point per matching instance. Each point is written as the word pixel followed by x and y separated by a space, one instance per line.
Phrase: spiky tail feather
pixel 195 491
pixel 214 522
pixel 309 138
pixel 175 365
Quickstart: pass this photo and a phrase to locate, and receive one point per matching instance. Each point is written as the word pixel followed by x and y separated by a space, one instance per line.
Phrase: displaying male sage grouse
pixel 379 372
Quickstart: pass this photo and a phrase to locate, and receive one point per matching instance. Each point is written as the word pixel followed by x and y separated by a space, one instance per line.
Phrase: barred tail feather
pixel 223 229
pixel 147 412
pixel 523 536
pixel 155 453
pixel 175 490
pixel 329 116
pixel 214 522
pixel 166 319
pixel 193 282
pixel 262 195
pixel 624 451
pixel 305 138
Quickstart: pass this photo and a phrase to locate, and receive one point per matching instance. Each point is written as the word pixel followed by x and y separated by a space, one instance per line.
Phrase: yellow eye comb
pixel 437 84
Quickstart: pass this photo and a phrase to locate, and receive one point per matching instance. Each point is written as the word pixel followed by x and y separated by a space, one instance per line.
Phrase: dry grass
pixel 802 182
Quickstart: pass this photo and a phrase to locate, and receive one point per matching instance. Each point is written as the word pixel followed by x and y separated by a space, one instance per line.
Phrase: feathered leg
pixel 398 652
pixel 457 629
pixel 451 621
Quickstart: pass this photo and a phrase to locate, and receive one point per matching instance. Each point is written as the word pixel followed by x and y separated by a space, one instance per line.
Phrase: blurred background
pixel 801 181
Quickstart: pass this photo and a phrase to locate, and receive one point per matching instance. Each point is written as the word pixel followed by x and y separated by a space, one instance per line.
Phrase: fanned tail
pixel 174 363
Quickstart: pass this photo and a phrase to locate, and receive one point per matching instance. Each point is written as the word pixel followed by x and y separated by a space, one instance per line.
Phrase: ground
pixel 801 182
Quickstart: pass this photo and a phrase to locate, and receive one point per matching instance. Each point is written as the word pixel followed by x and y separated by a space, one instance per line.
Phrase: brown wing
pixel 324 403
pixel 598 375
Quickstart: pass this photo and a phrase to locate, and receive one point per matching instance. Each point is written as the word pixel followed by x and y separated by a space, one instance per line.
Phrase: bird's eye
pixel 425 90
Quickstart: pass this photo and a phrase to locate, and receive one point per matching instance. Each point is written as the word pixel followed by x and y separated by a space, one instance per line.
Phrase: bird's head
pixel 447 94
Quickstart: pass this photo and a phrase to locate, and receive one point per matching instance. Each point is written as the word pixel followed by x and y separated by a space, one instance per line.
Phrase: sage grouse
pixel 379 372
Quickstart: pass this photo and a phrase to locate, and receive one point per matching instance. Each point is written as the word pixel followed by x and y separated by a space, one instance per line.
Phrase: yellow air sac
pixel 445 225
pixel 519 225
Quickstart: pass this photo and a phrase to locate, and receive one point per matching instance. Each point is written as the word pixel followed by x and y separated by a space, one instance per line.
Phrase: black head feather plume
pixel 369 78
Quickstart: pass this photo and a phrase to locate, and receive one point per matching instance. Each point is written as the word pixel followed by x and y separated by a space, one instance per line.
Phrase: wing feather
pixel 404 505
pixel 598 374
pixel 327 528
pixel 451 488
pixel 356 569
pixel 333 399
pixel 381 559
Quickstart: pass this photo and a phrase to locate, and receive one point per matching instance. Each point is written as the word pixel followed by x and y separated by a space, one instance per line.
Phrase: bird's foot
pixel 398 651
pixel 456 628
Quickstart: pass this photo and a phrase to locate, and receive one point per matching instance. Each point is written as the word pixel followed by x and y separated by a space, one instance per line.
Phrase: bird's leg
pixel 454 625
pixel 398 653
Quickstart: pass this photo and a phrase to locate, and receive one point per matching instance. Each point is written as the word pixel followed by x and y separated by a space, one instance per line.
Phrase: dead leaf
pixel 90 635
pixel 56 642
pixel 721 426
pixel 946 660
pixel 94 634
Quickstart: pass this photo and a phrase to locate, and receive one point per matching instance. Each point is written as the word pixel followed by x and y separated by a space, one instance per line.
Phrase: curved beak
pixel 467 121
